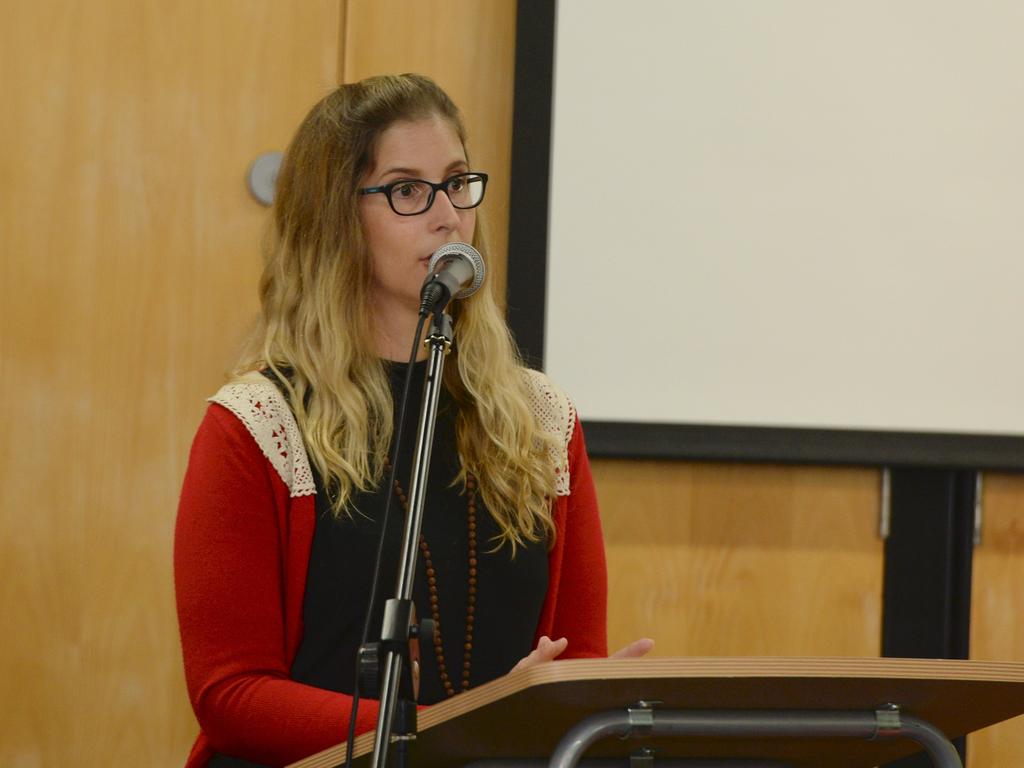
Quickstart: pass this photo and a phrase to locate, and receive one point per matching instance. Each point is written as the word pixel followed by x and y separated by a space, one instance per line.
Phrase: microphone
pixel 456 271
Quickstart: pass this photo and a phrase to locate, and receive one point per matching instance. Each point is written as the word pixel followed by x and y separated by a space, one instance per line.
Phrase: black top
pixel 510 593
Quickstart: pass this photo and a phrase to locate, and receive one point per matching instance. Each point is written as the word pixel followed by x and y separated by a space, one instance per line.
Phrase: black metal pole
pixel 928 558
pixel 439 341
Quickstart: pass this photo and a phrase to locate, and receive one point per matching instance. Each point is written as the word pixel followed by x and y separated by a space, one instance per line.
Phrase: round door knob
pixel 262 176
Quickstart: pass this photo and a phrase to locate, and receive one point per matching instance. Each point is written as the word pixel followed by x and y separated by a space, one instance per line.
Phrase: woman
pixel 282 500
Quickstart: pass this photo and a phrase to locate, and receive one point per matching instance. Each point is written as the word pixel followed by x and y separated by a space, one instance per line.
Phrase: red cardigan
pixel 241 551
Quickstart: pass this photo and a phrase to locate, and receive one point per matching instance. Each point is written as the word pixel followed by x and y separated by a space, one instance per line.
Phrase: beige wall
pixel 128 266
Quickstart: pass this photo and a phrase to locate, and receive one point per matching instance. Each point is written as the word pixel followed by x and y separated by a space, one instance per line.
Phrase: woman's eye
pixel 405 190
pixel 457 184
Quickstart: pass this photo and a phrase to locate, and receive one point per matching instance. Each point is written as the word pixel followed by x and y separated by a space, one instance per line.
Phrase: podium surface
pixel 524 714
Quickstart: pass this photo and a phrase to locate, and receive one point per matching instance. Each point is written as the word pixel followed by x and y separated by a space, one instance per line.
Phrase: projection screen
pixel 789 215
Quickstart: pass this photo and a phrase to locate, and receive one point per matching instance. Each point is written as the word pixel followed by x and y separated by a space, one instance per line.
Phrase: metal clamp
pixel 640 718
pixel 887 721
pixel 642 758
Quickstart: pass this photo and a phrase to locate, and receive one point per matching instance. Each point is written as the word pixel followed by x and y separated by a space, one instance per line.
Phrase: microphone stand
pixel 397 628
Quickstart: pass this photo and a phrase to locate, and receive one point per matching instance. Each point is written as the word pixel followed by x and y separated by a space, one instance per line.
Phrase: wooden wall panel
pixel 469 48
pixel 734 560
pixel 129 262
pixel 997 607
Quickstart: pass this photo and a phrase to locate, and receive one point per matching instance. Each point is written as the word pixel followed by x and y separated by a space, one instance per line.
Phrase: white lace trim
pixel 261 407
pixel 556 415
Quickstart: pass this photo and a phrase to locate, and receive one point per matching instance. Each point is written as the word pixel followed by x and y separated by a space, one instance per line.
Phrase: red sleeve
pixel 230 562
pixel 576 607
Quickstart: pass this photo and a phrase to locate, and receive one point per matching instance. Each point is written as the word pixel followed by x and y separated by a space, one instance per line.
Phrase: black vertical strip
pixel 928 555
pixel 531 161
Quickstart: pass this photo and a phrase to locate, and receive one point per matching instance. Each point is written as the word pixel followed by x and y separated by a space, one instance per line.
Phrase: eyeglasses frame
pixel 386 190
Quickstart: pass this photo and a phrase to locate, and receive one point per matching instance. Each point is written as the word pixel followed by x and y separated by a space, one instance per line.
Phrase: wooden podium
pixel 525 714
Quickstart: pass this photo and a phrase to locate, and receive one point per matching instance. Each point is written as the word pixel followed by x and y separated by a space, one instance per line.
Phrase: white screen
pixel 789 213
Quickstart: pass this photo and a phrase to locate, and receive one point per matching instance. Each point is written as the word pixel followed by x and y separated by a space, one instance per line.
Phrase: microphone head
pixel 468 254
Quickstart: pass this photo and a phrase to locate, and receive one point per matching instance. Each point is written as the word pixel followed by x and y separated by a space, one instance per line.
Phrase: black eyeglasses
pixel 409 197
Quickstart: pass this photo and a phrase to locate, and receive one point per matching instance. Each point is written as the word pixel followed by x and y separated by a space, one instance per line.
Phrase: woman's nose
pixel 443 213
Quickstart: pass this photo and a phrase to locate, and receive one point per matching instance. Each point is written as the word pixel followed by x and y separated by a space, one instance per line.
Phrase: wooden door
pixel 128 270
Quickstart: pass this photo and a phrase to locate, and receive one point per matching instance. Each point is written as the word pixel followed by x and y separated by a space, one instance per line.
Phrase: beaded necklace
pixel 435 612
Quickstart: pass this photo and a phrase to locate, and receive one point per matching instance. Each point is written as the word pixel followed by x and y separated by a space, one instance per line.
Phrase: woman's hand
pixel 548 650
pixel 634 650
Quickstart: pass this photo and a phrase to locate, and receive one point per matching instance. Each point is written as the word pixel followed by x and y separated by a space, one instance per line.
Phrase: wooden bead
pixel 432 586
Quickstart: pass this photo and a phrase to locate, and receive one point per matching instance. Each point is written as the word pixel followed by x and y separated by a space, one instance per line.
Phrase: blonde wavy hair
pixel 313 329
